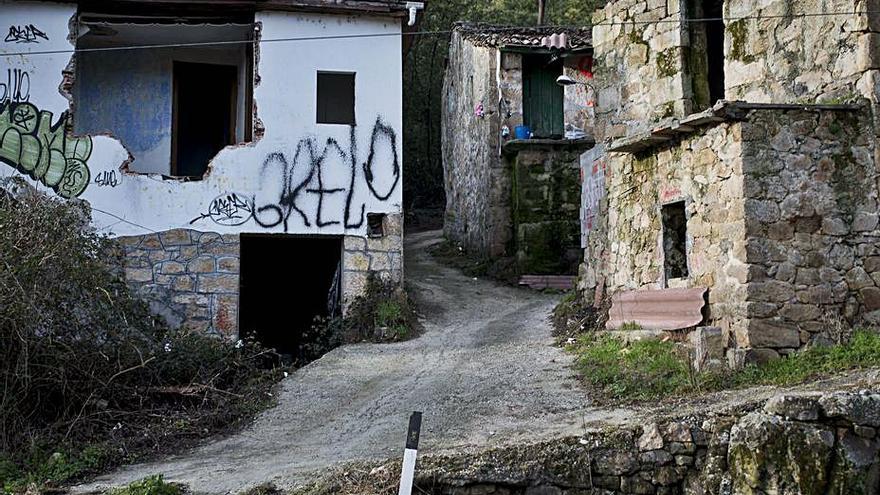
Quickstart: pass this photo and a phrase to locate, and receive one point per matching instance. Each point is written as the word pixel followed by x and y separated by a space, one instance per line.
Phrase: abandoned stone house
pixel 253 182
pixel 512 135
pixel 740 156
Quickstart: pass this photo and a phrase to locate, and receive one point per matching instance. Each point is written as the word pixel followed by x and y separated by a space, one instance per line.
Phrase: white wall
pixel 269 186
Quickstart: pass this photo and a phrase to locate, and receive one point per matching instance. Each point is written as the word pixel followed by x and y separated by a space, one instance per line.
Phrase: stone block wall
pixel 382 256
pixel 811 212
pixel 188 277
pixel 640 48
pixel 476 179
pixel 808 443
pixel 191 278
pixel 626 250
pixel 646 57
pixel 797 59
pixel 546 202
pixel 782 225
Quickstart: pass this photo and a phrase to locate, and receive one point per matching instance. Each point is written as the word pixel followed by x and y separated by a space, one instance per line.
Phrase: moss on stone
pixel 739 33
pixel 668 62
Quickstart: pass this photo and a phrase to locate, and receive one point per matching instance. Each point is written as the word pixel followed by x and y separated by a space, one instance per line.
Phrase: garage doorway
pixel 286 281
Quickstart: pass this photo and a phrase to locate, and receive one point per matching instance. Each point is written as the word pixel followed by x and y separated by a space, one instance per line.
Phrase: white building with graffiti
pixel 246 154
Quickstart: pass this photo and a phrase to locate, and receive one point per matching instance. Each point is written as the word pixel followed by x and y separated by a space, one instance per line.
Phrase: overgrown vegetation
pixel 574 316
pixel 651 369
pixel 383 313
pixel 90 378
pixel 151 485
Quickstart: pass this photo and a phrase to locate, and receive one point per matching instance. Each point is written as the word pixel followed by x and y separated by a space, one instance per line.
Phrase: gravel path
pixel 484 373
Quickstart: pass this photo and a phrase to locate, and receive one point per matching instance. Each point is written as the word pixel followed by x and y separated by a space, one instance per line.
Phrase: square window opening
pixel 375 224
pixel 674 220
pixel 172 108
pixel 335 98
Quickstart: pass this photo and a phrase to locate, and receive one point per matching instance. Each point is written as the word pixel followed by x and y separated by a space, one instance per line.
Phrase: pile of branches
pixel 82 360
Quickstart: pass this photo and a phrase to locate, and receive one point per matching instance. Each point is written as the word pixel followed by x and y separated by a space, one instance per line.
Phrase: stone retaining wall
pixel 793 444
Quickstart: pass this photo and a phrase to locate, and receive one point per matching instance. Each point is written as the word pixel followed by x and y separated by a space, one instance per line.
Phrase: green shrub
pixel 86 368
pixel 383 313
pixel 151 485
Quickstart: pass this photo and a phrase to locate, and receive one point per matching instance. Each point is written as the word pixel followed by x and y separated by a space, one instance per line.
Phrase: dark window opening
pixel 706 52
pixel 714 9
pixel 675 240
pixel 286 282
pixel 542 97
pixel 335 98
pixel 375 227
pixel 204 114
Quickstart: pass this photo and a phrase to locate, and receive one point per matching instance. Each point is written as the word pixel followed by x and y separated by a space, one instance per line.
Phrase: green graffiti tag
pixel 33 145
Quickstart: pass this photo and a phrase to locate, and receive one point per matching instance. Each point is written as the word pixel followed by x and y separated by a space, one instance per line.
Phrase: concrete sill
pixel 514 146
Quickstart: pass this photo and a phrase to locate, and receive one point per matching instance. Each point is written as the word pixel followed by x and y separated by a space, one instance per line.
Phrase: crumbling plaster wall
pixel 476 178
pixel 298 178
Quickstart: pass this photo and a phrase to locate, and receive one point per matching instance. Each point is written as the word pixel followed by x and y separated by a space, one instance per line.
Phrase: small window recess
pixel 674 218
pixel 706 52
pixel 375 224
pixel 335 98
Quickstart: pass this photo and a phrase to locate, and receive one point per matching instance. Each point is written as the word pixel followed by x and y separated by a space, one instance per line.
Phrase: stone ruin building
pixel 510 197
pixel 737 158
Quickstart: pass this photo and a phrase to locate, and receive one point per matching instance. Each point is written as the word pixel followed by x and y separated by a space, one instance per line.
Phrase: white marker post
pixel 409 454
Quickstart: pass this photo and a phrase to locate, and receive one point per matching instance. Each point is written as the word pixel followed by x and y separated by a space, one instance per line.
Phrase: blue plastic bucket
pixel 522 132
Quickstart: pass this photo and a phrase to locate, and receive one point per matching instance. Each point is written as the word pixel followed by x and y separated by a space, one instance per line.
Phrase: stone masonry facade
pixel 191 278
pixel 779 179
pixel 650 62
pixel 781 226
pixel 484 200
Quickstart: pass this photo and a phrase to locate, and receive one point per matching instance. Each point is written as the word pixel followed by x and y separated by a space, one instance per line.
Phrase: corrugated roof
pixel 498 36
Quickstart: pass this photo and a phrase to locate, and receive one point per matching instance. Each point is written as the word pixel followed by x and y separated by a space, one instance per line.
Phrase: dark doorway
pixel 286 281
pixel 203 120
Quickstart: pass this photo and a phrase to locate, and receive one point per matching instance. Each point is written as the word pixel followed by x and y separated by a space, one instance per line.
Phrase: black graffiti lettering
pixel 229 209
pixel 381 130
pixel 107 178
pixel 25 34
pixel 303 177
pixel 317 164
pixel 282 209
pixel 17 87
pixel 352 154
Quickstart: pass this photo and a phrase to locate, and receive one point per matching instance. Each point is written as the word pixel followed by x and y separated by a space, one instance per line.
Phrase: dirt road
pixel 484 372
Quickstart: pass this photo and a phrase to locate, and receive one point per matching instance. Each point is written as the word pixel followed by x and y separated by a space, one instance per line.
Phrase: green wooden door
pixel 542 97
